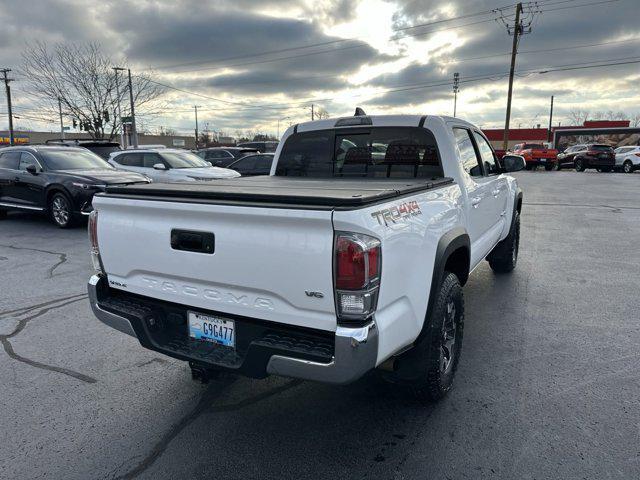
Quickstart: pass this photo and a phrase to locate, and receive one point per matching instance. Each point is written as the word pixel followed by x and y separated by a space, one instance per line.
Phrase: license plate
pixel 543 160
pixel 212 329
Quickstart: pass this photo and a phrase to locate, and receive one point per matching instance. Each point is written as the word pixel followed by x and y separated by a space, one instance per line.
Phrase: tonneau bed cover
pixel 323 193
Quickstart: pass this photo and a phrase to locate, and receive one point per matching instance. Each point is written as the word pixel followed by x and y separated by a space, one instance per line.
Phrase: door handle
pixel 475 201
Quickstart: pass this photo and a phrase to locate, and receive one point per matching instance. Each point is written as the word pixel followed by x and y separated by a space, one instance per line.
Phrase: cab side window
pixel 27 159
pixel 486 154
pixel 468 157
pixel 10 160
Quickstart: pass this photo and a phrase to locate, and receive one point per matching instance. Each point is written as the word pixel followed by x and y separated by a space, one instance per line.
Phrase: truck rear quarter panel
pixel 409 228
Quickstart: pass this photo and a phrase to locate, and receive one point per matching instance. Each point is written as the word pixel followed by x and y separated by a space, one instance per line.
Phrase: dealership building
pixel 613 132
pixel 22 138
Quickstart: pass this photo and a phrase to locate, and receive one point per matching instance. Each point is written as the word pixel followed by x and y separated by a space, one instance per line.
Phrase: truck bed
pixel 282 191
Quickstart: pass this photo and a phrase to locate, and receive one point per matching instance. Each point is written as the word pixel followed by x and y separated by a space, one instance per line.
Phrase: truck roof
pixel 377 121
pixel 285 192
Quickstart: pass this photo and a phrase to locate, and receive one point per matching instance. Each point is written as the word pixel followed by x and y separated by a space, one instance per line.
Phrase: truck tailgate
pixel 263 260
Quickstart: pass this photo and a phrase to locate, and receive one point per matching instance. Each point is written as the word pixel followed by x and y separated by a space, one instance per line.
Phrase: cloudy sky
pixel 248 63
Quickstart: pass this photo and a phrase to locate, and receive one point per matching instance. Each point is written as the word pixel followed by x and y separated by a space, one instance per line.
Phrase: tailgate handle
pixel 192 241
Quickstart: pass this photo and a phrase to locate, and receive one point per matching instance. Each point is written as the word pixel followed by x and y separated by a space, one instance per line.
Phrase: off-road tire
pixel 60 210
pixel 627 166
pixel 428 369
pixel 504 256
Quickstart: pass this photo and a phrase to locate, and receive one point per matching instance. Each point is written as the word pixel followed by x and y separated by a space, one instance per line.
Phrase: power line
pixel 320 44
pixel 333 50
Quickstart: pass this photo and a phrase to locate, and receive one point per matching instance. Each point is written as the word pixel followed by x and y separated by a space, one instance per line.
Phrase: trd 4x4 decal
pixel 397 213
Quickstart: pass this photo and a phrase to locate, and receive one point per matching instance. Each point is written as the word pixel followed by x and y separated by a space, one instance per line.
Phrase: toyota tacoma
pixel 350 256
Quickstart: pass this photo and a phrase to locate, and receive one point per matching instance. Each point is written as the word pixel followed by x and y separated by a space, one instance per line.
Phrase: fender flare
pixel 450 242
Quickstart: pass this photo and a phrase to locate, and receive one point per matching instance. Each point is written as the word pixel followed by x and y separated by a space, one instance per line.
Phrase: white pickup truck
pixel 349 257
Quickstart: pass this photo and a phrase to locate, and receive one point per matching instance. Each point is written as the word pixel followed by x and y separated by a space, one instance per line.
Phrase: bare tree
pixel 635 120
pixel 82 79
pixel 578 117
pixel 321 113
pixel 167 132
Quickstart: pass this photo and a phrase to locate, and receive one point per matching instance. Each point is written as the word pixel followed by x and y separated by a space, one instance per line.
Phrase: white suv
pixel 627 158
pixel 169 165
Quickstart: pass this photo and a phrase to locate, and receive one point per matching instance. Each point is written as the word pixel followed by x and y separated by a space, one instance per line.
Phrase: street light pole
pixel 134 132
pixel 456 89
pixel 8 88
pixel 122 139
pixel 195 107
pixel 61 124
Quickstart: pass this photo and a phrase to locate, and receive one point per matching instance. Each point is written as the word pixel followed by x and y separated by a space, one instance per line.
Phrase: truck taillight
pixel 93 241
pixel 357 268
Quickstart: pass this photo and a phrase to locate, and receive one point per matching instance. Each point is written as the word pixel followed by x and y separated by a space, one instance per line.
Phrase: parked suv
pixel 627 159
pixel 57 180
pixel 592 155
pixel 263 147
pixel 224 156
pixel 102 148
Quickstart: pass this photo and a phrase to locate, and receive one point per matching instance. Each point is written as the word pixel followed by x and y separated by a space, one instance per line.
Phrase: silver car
pixel 169 165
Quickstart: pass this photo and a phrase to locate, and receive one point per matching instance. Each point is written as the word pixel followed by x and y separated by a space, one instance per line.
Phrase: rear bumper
pixel 263 348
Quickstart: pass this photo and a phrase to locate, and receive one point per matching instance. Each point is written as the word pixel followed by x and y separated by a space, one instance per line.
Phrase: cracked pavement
pixel 548 383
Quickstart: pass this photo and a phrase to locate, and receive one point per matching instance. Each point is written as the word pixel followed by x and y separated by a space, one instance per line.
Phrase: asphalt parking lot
pixel 548 384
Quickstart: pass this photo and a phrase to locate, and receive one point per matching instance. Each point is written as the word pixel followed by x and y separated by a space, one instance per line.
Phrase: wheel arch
pixel 453 254
pixel 51 190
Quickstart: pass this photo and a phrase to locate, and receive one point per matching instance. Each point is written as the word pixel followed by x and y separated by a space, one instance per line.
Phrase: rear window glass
pixel 601 148
pixel 533 146
pixel 383 152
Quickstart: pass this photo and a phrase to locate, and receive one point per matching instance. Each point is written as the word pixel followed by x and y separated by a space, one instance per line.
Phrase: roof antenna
pixel 359 112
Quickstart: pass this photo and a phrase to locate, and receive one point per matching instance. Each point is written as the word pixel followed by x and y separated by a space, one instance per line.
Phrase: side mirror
pixel 32 169
pixel 160 166
pixel 513 163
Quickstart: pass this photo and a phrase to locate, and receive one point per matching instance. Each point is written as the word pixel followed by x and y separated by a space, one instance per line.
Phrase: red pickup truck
pixel 536 154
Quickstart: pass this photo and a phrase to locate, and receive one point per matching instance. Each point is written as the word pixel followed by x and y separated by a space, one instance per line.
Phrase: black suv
pixel 593 155
pixel 263 147
pixel 102 148
pixel 58 180
pixel 224 156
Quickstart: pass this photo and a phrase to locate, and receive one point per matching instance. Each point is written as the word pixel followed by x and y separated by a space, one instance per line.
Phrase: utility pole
pixel 517 31
pixel 456 89
pixel 61 124
pixel 312 115
pixel 550 120
pixel 6 84
pixel 122 139
pixel 195 107
pixel 134 132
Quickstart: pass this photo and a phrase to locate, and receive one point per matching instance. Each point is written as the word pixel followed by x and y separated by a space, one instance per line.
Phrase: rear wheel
pixel 428 369
pixel 504 256
pixel 3 214
pixel 548 168
pixel 61 211
pixel 579 164
pixel 627 166
pixel 605 169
